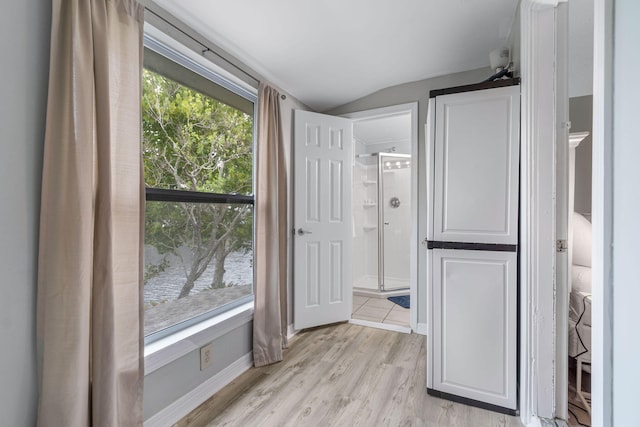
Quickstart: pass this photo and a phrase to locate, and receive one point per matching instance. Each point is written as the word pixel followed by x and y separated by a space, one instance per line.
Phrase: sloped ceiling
pixel 330 52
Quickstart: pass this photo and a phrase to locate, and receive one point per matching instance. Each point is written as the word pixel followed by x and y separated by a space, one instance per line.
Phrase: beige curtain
pixel 89 308
pixel 270 316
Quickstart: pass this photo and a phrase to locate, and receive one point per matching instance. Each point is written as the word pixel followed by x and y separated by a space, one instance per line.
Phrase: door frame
pixel 543 378
pixel 602 215
pixel 412 109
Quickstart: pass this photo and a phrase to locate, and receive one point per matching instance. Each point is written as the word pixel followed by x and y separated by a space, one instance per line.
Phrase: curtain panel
pixel 89 303
pixel 270 289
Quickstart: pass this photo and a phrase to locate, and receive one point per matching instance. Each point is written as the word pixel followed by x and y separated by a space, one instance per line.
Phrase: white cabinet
pixel 472 180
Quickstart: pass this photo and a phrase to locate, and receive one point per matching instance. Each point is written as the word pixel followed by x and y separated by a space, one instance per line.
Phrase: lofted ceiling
pixel 330 52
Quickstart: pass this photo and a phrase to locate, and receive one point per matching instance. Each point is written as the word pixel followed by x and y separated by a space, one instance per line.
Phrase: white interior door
pixel 475 325
pixel 322 219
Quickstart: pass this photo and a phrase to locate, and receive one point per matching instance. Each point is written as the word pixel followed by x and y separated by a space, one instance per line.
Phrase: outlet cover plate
pixel 206 356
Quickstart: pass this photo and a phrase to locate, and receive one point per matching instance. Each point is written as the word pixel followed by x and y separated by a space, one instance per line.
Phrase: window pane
pixel 192 141
pixel 198 257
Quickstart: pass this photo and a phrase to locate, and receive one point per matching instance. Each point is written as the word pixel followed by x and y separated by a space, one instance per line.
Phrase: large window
pixel 198 166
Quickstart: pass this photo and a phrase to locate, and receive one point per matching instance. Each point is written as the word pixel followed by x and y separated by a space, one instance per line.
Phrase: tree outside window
pixel 198 256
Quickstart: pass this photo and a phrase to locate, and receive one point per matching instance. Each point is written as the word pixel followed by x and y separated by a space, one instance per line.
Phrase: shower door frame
pixel 381 221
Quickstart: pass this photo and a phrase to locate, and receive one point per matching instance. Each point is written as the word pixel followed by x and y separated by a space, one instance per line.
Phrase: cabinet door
pixel 474 342
pixel 476 166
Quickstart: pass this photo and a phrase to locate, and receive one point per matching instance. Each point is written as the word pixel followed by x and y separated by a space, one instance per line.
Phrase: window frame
pixel 171 195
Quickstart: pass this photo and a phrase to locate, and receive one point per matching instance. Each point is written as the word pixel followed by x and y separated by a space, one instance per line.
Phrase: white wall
pixel 626 214
pixel 24 43
pixel 402 94
pixel 580 48
pixel 174 380
pixel 581 116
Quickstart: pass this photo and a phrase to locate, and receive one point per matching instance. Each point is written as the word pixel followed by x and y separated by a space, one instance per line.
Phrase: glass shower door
pixel 395 211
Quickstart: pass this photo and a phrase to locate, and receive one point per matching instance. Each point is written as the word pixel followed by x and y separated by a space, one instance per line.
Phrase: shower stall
pixel 382 223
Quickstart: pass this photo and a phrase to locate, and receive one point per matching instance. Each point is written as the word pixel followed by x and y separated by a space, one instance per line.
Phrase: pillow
pixel 581 240
pixel 581 279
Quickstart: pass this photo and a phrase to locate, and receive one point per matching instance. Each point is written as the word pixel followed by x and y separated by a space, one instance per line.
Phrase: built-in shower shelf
pixel 369 227
pixel 369 182
pixel 369 205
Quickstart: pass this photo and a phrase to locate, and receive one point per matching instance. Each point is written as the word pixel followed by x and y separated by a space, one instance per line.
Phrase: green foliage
pixel 193 142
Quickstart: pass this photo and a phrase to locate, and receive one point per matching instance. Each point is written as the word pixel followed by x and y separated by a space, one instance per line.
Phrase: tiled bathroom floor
pixel 379 310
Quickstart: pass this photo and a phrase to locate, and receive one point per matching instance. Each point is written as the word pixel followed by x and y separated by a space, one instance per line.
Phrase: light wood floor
pixel 341 375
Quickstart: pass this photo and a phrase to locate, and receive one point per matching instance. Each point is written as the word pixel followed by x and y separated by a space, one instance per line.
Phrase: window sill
pixel 166 350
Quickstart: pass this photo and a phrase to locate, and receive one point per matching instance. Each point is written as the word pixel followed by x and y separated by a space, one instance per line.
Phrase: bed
pixel 580 302
pixel 580 295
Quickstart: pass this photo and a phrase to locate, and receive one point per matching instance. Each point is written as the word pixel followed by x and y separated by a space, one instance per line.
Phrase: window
pixel 198 165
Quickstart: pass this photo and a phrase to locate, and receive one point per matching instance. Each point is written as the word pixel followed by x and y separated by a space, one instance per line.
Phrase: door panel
pixel 476 166
pixel 322 219
pixel 474 296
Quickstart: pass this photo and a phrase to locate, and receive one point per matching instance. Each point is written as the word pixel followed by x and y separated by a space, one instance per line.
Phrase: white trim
pixel 412 108
pixel 291 331
pixel 575 138
pixel 538 130
pixel 377 325
pixel 166 350
pixel 190 401
pixel 422 329
pixel 602 217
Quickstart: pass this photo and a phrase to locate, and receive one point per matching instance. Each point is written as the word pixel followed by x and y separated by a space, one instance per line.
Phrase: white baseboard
pixel 421 329
pixel 190 401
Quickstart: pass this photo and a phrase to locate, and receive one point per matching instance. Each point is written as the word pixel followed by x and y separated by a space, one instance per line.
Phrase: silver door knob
pixel 302 232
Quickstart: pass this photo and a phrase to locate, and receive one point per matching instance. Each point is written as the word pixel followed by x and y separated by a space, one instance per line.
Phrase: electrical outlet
pixel 206 356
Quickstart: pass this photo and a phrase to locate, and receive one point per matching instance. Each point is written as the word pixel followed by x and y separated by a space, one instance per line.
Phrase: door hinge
pixel 561 246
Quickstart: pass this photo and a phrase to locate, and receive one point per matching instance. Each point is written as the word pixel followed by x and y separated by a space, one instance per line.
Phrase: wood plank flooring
pixel 341 375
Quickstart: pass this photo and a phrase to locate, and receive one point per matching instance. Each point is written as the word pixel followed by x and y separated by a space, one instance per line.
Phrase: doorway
pixel 384 209
pixel 324 166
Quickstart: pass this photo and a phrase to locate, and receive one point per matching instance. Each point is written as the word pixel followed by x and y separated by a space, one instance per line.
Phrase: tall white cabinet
pixel 472 160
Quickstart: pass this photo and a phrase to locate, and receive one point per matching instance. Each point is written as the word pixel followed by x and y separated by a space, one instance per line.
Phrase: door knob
pixel 302 232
